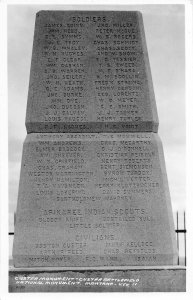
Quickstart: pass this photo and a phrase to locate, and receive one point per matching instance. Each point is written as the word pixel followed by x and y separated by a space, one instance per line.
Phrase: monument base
pixel 93 200
pixel 119 279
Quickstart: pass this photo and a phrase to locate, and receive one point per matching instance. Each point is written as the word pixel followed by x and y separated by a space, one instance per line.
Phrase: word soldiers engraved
pixel 93 187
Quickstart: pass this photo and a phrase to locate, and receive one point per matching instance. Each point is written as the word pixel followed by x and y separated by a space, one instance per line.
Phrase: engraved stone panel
pixel 88 199
pixel 90 73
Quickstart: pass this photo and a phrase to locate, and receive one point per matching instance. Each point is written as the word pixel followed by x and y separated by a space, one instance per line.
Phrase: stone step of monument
pixel 100 268
pixel 90 72
pixel 91 200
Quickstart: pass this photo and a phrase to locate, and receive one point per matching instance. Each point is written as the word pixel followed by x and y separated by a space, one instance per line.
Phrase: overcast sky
pixel 164 29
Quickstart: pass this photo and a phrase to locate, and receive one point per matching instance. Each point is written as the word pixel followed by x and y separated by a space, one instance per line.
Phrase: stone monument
pixel 93 187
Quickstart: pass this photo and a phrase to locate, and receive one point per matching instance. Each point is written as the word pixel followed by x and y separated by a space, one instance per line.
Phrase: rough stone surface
pixel 90 73
pixel 93 200
pixel 131 280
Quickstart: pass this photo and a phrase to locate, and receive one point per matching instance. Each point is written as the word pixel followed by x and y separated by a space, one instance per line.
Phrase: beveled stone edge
pixel 101 268
pixel 91 127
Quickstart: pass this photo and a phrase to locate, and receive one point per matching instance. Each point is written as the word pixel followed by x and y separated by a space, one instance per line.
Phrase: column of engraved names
pixel 128 166
pixel 119 82
pixel 56 174
pixel 64 72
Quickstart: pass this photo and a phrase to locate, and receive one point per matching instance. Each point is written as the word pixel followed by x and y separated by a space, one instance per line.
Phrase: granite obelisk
pixel 93 187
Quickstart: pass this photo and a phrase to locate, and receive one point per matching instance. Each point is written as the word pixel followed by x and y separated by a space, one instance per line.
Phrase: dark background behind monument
pixel 164 28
